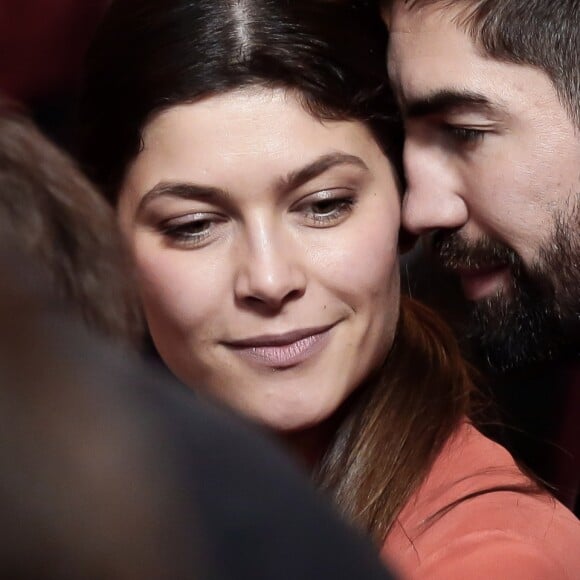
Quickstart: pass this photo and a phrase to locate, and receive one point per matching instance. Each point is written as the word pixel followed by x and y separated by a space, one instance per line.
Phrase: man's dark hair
pixel 541 33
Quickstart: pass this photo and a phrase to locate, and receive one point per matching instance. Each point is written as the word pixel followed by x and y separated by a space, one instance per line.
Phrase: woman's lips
pixel 484 282
pixel 283 350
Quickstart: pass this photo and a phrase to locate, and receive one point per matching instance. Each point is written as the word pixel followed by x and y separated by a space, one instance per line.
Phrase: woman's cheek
pixel 364 258
pixel 186 290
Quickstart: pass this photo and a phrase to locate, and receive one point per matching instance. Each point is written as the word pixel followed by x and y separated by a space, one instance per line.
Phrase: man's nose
pixel 434 196
pixel 271 271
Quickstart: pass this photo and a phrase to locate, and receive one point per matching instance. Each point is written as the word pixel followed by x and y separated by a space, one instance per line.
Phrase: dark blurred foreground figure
pixel 88 481
pixel 107 469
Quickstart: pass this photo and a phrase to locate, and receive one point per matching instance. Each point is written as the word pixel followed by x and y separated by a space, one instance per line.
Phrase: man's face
pixel 493 168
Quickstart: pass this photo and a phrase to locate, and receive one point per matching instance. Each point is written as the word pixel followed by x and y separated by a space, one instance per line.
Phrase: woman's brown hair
pixel 395 426
pixel 153 54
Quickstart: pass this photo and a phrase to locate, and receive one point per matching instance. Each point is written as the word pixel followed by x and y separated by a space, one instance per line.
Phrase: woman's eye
pixel 327 211
pixel 189 230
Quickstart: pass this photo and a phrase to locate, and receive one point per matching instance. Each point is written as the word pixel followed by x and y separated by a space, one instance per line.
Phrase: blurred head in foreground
pixel 88 488
pixel 53 212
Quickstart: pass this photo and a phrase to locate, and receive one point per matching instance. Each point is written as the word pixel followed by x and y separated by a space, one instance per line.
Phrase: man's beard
pixel 538 318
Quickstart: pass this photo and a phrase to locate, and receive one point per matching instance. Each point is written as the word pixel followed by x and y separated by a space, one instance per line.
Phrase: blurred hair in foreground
pixel 55 214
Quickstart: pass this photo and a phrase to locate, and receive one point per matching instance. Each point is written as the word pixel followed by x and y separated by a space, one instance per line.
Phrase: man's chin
pixel 508 333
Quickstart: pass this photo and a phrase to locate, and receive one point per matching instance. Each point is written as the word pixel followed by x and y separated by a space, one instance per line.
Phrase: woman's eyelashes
pixel 191 229
pixel 323 209
pixel 326 208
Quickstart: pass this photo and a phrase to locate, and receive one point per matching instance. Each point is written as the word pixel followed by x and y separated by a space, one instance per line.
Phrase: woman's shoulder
pixel 493 555
pixel 477 516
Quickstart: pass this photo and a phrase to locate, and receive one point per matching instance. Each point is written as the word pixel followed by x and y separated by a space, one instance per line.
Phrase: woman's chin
pixel 285 422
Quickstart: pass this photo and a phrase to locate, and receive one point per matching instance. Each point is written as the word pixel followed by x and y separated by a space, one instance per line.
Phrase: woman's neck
pixel 309 445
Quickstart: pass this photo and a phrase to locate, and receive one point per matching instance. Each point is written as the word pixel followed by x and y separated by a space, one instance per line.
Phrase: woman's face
pixel 266 247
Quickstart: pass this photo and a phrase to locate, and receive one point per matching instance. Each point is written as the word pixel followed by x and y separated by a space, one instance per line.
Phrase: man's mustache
pixel 453 252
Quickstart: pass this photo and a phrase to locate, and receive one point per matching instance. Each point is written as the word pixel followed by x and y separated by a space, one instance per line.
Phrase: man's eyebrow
pixel 448 101
pixel 317 167
pixel 183 190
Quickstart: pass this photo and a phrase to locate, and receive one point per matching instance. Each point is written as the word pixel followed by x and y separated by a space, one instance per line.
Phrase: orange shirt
pixel 498 535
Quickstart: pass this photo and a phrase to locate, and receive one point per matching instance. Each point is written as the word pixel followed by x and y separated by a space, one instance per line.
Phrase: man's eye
pixel 464 134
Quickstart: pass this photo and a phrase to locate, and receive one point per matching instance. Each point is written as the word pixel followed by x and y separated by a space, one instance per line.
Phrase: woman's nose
pixel 271 272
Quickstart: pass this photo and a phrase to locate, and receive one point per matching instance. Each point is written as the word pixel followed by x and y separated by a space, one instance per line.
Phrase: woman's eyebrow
pixel 294 179
pixel 183 190
pixel 303 175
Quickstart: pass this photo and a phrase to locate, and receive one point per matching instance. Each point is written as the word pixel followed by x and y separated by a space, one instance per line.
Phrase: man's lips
pixel 282 350
pixel 480 283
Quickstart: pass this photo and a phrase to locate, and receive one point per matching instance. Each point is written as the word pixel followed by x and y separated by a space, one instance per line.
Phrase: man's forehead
pixel 456 10
pixel 435 28
pixel 429 51
pixel 402 18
